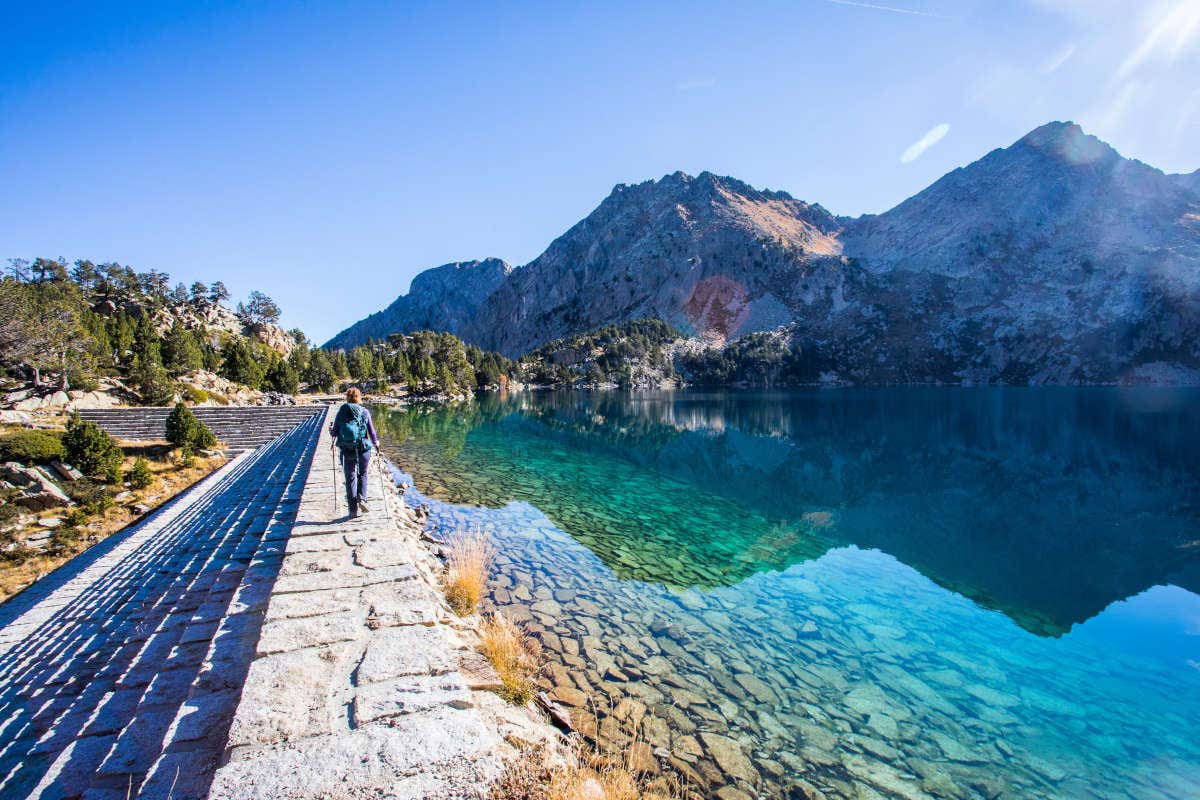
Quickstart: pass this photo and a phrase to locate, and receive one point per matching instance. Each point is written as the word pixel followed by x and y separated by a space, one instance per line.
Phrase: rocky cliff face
pixel 214 321
pixel 1054 260
pixel 709 255
pixel 444 298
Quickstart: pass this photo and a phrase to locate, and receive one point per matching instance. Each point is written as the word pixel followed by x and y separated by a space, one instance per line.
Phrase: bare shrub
pixel 515 655
pixel 468 562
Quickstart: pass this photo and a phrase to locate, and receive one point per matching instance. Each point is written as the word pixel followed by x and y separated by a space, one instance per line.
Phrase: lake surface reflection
pixel 865 592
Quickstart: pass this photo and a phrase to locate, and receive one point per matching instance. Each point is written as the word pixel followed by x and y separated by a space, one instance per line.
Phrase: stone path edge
pixel 364 683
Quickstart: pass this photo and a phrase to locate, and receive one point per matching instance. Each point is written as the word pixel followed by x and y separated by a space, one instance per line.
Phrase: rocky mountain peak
pixel 443 298
pixel 1052 260
pixel 1068 142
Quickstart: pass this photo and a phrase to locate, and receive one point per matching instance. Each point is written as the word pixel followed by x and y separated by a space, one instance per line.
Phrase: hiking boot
pixel 363 507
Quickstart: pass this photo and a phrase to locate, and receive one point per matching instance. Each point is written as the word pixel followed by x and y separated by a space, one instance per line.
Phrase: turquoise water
pixel 868 593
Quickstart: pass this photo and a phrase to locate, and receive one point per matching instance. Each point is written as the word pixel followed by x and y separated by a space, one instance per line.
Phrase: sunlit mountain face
pixel 1054 260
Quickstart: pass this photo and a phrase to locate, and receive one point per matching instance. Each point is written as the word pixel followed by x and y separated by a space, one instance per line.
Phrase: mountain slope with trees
pixel 68 326
pixel 1053 260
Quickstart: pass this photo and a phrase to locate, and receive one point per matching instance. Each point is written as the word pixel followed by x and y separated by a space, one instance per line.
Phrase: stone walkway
pixel 246 624
pixel 359 689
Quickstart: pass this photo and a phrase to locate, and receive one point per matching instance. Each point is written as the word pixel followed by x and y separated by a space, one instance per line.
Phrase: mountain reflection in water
pixel 1047 504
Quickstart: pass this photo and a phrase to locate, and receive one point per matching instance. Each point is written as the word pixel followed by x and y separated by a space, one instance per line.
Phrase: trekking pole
pixel 333 469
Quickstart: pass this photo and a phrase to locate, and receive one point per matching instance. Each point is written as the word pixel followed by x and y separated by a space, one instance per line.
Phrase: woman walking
pixel 354 434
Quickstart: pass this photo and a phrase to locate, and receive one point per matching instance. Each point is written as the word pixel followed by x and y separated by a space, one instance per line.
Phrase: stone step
pixel 102 664
pixel 202 717
pixel 238 427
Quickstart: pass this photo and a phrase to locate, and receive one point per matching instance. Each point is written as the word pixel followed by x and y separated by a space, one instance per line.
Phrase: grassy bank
pixel 34 543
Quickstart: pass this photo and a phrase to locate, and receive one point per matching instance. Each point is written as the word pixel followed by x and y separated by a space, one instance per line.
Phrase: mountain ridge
pixel 1052 260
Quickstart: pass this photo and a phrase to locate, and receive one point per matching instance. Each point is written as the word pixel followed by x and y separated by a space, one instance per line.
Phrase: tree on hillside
pixel 319 373
pixel 18 269
pixel 280 377
pixel 90 449
pixel 146 344
pixel 84 274
pixel 218 294
pixel 47 270
pixel 40 327
pixel 154 386
pixel 239 364
pixel 154 284
pixel 361 363
pixel 259 310
pixel 198 293
pixel 298 358
pixel 337 362
pixel 120 329
pixel 179 295
pixel 180 350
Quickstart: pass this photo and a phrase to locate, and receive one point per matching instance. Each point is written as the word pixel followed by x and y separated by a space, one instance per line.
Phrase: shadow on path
pixel 126 681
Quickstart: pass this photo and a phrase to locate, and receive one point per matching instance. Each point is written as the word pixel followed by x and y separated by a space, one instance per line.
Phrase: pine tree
pixel 146 348
pixel 154 386
pixel 239 364
pixel 180 351
pixel 280 377
pixel 319 373
pixel 361 363
pixel 337 362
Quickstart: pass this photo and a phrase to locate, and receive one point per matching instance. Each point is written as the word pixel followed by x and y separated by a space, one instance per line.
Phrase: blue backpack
pixel 352 433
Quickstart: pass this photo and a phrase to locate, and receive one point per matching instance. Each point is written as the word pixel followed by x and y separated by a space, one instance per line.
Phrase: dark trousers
pixel 355 466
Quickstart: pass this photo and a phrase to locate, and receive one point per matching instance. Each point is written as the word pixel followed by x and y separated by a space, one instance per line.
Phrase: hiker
pixel 354 434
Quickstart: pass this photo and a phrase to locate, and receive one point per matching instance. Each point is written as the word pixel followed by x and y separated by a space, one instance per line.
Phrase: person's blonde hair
pixel 353 394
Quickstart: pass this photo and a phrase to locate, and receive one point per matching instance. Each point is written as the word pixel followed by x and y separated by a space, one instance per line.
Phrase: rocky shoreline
pixel 804 684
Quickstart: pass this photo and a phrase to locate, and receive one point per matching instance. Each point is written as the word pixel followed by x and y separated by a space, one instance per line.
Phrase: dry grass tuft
pixel 467 564
pixel 515 655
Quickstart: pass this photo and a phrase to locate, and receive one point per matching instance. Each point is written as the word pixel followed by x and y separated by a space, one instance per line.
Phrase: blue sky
pixel 327 152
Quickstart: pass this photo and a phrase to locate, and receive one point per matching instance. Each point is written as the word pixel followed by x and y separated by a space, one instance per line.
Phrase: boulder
pixel 14 417
pixel 16 474
pixel 40 493
pixel 66 471
pixel 96 399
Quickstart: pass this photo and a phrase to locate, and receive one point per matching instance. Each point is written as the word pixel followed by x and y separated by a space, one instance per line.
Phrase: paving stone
pixel 315 543
pixel 440 755
pixel 283 635
pixel 204 714
pixel 311 604
pixel 478 672
pixel 139 743
pixel 180 776
pixel 401 603
pixel 316 581
pixel 307 563
pixel 383 553
pixel 285 696
pixel 409 695
pixel 395 652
